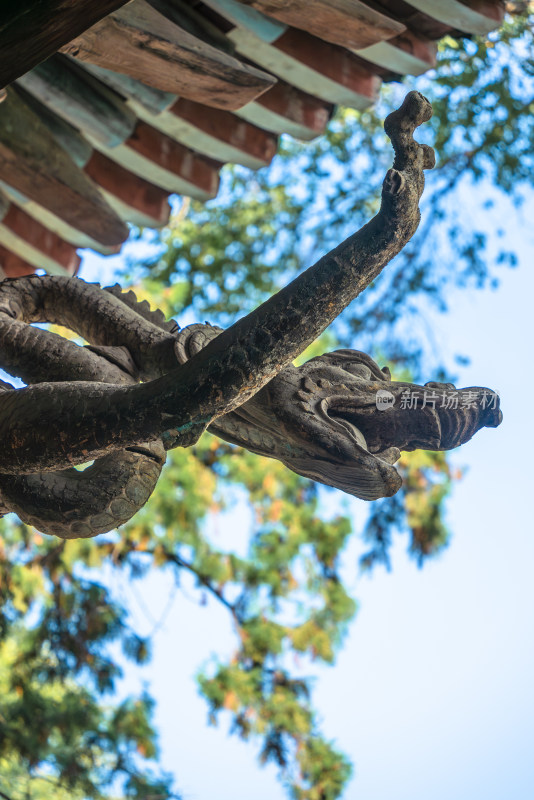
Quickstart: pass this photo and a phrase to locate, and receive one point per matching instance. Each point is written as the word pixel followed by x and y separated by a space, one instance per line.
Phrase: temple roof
pixel 109 107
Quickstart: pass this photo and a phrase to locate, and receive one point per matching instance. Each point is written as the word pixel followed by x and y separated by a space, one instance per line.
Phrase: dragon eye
pixel 358 370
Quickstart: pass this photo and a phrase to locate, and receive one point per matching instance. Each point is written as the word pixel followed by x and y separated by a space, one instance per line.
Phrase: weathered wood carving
pixel 143 386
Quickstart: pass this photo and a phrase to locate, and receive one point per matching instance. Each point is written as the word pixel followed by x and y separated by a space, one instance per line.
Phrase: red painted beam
pixel 39 238
pixel 13 266
pixel 226 127
pixel 301 110
pixel 171 166
pixel 335 63
pixel 135 192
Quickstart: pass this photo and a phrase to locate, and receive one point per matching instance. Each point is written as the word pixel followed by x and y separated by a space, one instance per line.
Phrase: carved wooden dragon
pixel 143 386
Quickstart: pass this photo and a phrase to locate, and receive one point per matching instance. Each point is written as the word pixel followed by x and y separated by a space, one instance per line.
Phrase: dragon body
pixel 142 385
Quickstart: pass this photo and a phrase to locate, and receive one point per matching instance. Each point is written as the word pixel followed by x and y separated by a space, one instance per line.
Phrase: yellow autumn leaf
pixel 231 701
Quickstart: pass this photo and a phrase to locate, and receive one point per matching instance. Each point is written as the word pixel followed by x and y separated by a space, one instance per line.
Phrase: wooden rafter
pixel 475 17
pixel 437 18
pixel 76 96
pixel 212 132
pixel 55 223
pixel 32 162
pixel 140 42
pixel 150 97
pixel 349 23
pixel 314 66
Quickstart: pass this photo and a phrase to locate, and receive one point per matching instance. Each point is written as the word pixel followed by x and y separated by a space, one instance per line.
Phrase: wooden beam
pixel 285 109
pixel 34 30
pixel 142 43
pixel 80 99
pixel 170 165
pixel 212 132
pixel 348 23
pixel 32 162
pixel 193 20
pixel 32 242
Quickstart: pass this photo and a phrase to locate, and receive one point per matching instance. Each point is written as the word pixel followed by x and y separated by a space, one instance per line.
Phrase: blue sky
pixel 432 694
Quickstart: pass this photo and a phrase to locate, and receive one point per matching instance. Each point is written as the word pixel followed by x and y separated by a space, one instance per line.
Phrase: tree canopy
pixel 64 636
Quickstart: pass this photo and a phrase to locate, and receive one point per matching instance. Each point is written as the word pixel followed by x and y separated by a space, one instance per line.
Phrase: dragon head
pixel 340 420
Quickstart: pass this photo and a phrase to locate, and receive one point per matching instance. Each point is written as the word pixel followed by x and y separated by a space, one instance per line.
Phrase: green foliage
pixel 64 637
pixel 56 625
pixel 418 508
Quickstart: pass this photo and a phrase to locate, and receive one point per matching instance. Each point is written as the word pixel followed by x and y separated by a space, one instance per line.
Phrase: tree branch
pixel 178 561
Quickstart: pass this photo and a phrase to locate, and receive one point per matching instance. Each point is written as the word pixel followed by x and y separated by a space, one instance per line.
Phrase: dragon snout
pixel 463 412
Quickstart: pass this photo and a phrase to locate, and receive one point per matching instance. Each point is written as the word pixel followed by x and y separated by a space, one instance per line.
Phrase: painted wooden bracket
pixel 140 42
